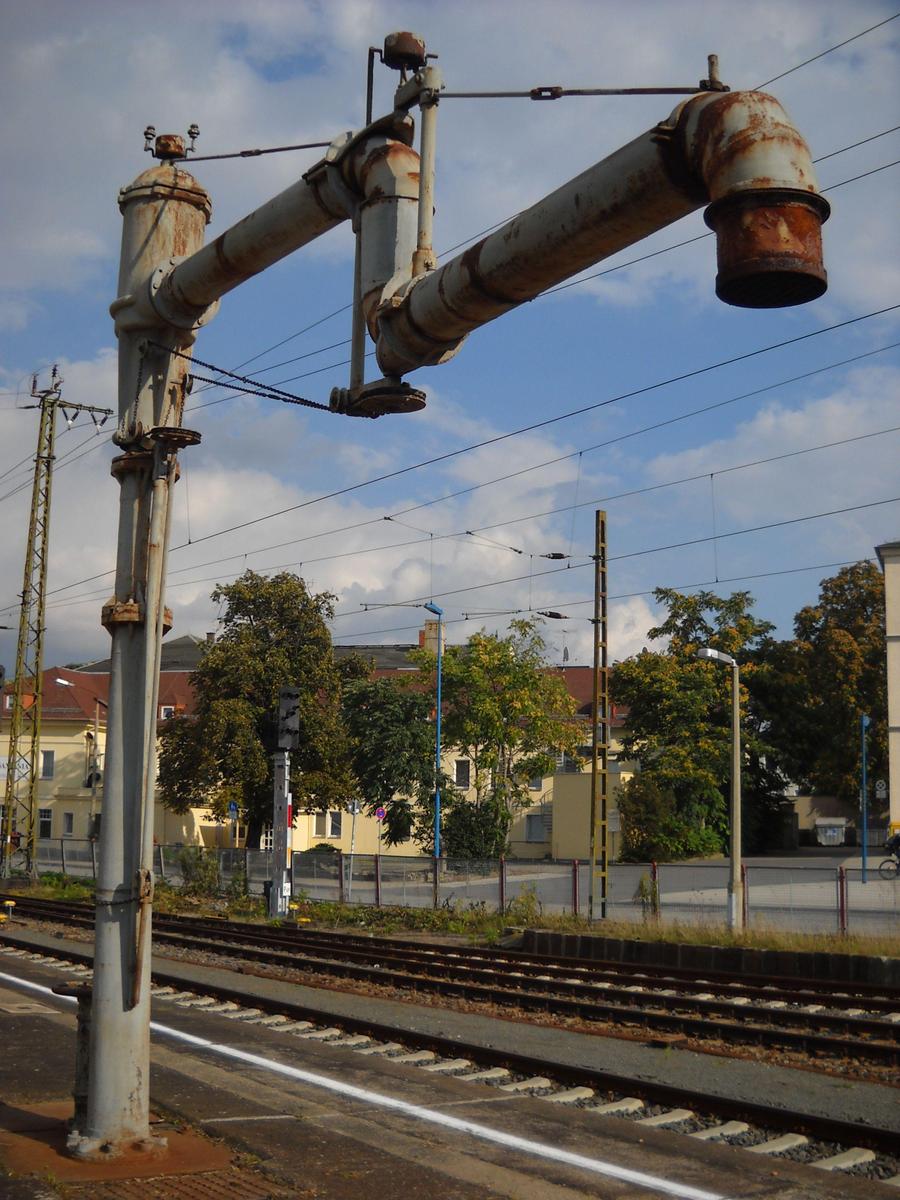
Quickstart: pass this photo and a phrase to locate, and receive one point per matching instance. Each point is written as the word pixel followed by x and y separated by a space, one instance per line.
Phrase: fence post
pixel 502 884
pixel 575 898
pixel 341 876
pixel 654 885
pixel 62 851
pixel 94 858
pixel 378 881
pixel 745 898
pixel 842 899
pixel 435 888
pixel 162 862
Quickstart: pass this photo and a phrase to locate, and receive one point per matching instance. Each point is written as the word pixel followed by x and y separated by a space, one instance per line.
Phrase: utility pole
pixel 597 904
pixel 23 757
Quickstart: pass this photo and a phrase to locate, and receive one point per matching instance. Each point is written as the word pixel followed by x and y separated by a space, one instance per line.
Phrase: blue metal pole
pixel 439 613
pixel 864 723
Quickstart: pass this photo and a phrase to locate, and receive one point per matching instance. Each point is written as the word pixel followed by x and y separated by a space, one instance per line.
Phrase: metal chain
pixel 253 388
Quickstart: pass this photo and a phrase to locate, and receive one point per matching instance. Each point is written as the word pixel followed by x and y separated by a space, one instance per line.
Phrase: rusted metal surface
pixel 769 254
pixel 757 170
pixel 714 146
pixel 611 205
pixel 165 212
pixel 169 145
pixel 386 172
pixel 404 51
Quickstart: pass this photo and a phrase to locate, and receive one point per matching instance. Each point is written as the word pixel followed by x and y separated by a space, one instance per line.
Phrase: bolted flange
pixel 376 399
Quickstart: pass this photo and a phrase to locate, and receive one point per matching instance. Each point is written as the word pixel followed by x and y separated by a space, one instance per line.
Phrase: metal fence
pixel 809 898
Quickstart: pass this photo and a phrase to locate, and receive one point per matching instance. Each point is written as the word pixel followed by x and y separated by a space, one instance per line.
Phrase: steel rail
pixel 826 1129
pixel 529 966
pixel 764 1027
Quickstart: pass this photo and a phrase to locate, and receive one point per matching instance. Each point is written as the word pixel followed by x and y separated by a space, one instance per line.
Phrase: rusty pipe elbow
pixel 765 208
pixel 384 174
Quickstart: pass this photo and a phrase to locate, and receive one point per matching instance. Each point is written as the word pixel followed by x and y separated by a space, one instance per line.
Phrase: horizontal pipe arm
pixel 732 148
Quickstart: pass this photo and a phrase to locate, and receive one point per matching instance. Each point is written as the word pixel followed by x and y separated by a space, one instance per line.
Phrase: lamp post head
pixel 433 608
pixel 64 682
pixel 707 652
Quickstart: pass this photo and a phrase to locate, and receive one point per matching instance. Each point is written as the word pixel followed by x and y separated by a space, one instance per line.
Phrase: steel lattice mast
pixel 23 757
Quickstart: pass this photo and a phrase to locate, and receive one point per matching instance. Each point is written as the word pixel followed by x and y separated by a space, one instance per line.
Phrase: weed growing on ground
pixel 474 922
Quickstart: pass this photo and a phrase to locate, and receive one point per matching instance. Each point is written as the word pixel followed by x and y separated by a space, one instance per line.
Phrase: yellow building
pixel 73 737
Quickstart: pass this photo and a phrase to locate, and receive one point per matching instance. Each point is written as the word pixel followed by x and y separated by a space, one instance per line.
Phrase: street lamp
pixel 439 613
pixel 735 882
pixel 95 762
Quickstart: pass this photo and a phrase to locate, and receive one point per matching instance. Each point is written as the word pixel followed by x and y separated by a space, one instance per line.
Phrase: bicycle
pixel 889 869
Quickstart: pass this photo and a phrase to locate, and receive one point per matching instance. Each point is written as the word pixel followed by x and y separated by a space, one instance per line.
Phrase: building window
pixel 45 822
pixel 537 827
pixel 68 824
pixel 3 818
pixel 166 712
pixel 327 821
pixel 536 783
pixel 265 838
pixel 47 761
pixel 462 773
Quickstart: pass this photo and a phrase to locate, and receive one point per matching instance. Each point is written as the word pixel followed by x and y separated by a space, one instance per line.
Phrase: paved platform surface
pixel 332 1141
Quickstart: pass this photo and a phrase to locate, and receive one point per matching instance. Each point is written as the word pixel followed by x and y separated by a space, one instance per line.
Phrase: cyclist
pixel 892 845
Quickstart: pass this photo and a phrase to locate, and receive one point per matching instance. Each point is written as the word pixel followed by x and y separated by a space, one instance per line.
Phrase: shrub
pixel 199 871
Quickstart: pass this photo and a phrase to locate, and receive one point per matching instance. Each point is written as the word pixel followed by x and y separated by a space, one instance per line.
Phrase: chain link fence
pixel 810 898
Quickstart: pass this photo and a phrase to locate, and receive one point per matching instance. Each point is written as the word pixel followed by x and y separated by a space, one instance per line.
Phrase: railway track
pixel 860 1022
pixel 775 1131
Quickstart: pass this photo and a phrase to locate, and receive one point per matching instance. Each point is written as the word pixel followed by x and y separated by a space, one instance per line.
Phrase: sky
pixel 764 474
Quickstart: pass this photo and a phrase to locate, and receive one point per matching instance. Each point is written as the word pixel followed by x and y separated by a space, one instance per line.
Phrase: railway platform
pixel 255 1131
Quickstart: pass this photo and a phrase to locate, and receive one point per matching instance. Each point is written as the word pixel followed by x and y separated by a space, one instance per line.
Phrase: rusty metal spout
pixel 769 247
pixel 766 211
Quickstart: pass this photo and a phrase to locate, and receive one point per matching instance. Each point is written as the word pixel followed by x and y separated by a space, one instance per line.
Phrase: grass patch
pixel 476 923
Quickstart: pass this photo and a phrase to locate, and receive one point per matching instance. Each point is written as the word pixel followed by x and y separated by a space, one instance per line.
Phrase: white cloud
pixel 86 79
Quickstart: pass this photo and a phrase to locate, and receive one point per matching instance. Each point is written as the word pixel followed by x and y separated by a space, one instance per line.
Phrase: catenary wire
pixel 486 483
pixel 236 390
pixel 571 565
pixel 830 50
pixel 684 587
pixel 543 424
pixel 550 291
pixel 650 550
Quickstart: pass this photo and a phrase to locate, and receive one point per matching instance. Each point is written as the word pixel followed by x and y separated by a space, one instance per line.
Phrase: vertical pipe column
pixel 164 215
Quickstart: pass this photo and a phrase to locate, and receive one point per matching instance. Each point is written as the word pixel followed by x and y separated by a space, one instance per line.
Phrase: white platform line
pixel 483 1132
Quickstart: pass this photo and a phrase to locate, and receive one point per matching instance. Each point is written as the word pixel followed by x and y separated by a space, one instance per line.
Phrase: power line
pixel 571 565
pixel 684 587
pixel 830 50
pixel 651 550
pixel 289 398
pixel 558 288
pixel 693 374
pixel 502 478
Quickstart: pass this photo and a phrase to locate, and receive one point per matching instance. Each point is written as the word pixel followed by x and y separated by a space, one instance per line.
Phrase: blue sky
pixel 84 80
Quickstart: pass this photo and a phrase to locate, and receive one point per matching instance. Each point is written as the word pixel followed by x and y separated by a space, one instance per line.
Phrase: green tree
pixel 391 741
pixel 511 716
pixel 274 635
pixel 811 691
pixel 679 724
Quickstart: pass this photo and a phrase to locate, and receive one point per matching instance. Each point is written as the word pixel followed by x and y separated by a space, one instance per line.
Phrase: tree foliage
pixel 392 751
pixel 274 635
pixel 813 689
pixel 679 724
pixel 511 716
pixel 801 700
